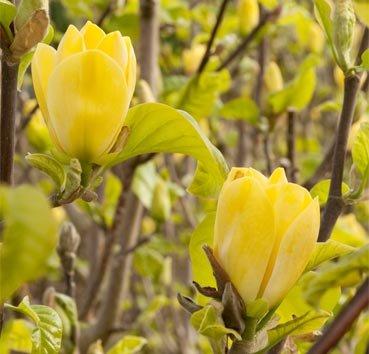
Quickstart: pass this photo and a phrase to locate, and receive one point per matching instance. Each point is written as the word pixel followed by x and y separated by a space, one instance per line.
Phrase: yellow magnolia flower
pixel 265 232
pixel 248 15
pixel 84 89
pixel 273 79
pixel 192 58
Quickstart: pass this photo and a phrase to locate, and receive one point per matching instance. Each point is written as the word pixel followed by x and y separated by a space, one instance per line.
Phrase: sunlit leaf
pixel 16 336
pixel 155 127
pixel 325 251
pixel 321 190
pixel 203 235
pixel 243 108
pixel 360 149
pixel 29 237
pixel 128 345
pixel 47 334
pixel 296 326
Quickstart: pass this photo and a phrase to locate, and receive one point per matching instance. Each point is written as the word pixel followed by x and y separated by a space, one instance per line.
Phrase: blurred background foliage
pixel 244 113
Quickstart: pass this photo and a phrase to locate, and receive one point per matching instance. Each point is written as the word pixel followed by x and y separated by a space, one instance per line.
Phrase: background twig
pixel 343 322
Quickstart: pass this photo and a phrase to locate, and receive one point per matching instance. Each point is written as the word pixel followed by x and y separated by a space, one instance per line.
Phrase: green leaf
pixel 335 274
pixel 365 60
pixel 199 96
pixel 144 181
pixel 155 127
pixel 8 12
pixel 323 15
pixel 209 323
pixel 49 35
pixel 112 191
pixel 23 66
pixel 66 304
pixel 349 231
pixel 321 190
pixel 296 94
pixel 360 149
pixel 294 305
pixel 161 204
pixel 243 108
pixel 16 336
pixel 325 251
pixel 296 326
pixel 128 345
pixel 29 237
pixel 201 270
pixel 49 166
pixel 46 336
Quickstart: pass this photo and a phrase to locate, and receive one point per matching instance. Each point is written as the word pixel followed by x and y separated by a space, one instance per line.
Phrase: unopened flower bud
pixel 69 239
pixel 343 31
pixel 273 79
pixel 248 15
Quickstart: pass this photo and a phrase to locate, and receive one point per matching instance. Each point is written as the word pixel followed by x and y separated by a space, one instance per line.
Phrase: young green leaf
pixel 201 269
pixel 360 149
pixel 325 251
pixel 296 326
pixel 243 108
pixel 321 190
pixel 47 334
pixel 29 237
pixel 323 14
pixel 49 166
pixel 209 323
pixel 128 345
pixel 8 12
pixel 336 274
pixel 16 336
pixel 155 127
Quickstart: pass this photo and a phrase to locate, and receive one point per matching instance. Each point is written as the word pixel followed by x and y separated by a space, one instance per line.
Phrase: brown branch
pixel 291 148
pixel 324 167
pixel 213 34
pixel 9 75
pixel 113 234
pixel 335 202
pixel 265 18
pixel 343 322
pixel 119 275
pixel 149 43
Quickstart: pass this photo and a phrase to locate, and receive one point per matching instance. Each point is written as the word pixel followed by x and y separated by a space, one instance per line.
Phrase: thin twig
pixel 213 34
pixel 291 148
pixel 265 18
pixel 335 202
pixel 94 286
pixel 343 322
pixel 323 168
pixel 150 43
pixel 9 75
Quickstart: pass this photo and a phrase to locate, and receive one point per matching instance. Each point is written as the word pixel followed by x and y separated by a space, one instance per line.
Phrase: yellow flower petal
pixel 92 35
pixel 71 43
pixel 244 233
pixel 239 172
pixel 278 176
pixel 289 200
pixel 114 46
pixel 130 72
pixel 294 253
pixel 87 101
pixel 43 63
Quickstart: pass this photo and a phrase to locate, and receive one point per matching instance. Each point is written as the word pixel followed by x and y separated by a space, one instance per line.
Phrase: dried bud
pixel 69 239
pixel 343 30
pixel 26 10
pixel 31 32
